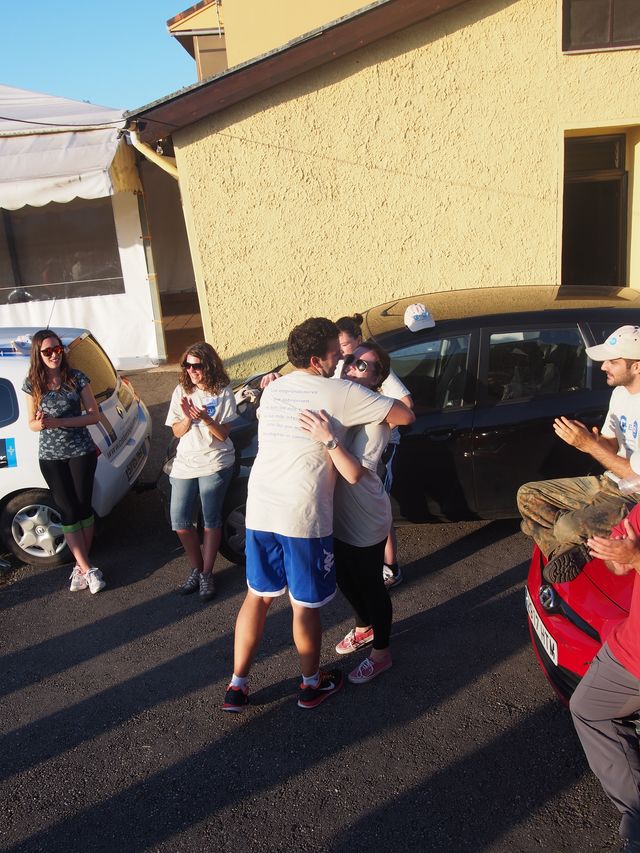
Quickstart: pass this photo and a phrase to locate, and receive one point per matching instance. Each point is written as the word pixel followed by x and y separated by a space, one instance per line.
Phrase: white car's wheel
pixel 30 527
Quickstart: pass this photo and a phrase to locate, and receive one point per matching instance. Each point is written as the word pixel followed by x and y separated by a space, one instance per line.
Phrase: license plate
pixel 549 644
pixel 135 463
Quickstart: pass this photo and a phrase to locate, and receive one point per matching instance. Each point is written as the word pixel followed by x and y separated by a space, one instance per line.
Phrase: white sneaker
pixel 78 580
pixel 96 581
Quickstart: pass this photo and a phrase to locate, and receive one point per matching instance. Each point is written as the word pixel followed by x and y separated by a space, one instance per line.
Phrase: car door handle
pixel 441 434
pixel 587 413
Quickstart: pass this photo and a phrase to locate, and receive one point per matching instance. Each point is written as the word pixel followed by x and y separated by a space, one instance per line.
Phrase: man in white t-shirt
pixel 290 505
pixel 560 515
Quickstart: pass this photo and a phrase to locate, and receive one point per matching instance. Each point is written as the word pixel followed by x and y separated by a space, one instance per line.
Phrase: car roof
pixel 8 334
pixel 491 301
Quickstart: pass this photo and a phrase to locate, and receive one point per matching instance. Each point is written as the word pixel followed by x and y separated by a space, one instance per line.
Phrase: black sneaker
pixel 236 698
pixel 567 566
pixel 191 584
pixel 330 682
pixel 207 587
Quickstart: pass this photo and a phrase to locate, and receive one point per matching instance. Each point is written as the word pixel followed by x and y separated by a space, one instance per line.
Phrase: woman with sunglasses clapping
pixel 361 517
pixel 56 397
pixel 201 409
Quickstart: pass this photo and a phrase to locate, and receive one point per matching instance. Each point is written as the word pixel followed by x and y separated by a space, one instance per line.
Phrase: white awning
pixel 54 149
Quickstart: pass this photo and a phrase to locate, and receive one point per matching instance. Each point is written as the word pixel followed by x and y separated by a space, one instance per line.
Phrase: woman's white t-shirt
pixel 199 452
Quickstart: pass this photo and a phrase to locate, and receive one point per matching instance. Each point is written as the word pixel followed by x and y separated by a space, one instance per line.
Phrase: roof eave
pixel 311 50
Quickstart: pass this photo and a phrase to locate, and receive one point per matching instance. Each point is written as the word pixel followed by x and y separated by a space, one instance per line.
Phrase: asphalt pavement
pixel 112 738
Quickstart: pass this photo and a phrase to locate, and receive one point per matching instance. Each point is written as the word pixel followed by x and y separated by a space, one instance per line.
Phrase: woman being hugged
pixel 201 409
pixel 56 397
pixel 361 517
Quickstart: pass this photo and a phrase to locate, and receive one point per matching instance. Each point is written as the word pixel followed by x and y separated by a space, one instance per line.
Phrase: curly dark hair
pixel 37 375
pixel 214 376
pixel 310 338
pixel 351 326
pixel 383 358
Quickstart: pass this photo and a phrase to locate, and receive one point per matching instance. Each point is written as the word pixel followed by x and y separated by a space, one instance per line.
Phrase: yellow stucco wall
pixel 254 27
pixel 431 160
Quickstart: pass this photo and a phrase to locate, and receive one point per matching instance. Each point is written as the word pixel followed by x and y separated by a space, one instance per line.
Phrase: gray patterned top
pixel 64 442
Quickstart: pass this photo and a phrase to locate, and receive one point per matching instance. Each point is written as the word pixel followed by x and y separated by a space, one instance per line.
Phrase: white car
pixel 29 521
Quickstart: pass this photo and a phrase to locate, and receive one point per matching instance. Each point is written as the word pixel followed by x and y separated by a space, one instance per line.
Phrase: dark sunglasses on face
pixel 192 365
pixel 360 364
pixel 47 352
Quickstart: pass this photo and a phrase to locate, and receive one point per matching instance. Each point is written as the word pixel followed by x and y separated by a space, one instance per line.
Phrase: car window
pixel 8 403
pixel 86 354
pixel 434 371
pixel 532 363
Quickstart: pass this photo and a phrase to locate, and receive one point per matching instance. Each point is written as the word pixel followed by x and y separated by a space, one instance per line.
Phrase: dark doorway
pixel 595 212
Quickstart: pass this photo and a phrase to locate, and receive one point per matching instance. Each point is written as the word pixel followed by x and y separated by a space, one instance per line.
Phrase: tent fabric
pixel 54 149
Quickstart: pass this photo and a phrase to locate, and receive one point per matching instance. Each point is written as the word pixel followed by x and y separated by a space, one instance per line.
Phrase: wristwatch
pixel 331 444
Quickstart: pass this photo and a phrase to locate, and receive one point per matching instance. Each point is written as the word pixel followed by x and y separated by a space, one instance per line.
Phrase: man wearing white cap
pixel 560 515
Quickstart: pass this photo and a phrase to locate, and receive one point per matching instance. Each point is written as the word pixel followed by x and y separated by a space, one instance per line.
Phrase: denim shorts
pixel 212 488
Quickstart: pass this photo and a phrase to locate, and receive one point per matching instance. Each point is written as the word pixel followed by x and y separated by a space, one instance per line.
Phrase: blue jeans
pixel 212 488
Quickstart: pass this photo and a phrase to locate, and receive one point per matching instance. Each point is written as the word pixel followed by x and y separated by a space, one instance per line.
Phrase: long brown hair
pixel 37 375
pixel 214 376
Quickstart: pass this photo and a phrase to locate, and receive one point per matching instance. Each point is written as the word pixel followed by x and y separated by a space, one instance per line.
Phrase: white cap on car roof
pixel 417 317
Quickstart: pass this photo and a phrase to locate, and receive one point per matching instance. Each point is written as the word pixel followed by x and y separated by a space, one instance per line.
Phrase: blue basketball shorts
pixel 306 567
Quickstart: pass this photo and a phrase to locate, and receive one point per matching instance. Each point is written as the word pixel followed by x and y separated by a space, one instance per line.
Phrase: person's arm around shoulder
pixel 399 415
pixel 318 427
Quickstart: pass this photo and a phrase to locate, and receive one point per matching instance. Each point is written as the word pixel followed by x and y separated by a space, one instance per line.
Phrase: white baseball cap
pixel 418 317
pixel 623 343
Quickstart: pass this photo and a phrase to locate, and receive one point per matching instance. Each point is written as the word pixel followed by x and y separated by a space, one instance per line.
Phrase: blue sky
pixel 116 53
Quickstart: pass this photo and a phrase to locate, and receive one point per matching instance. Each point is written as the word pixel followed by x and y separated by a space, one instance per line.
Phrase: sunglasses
pixel 361 364
pixel 192 365
pixel 47 352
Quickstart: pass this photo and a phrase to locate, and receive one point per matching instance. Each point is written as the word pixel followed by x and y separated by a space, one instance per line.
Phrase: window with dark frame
pixel 597 24
pixel 594 228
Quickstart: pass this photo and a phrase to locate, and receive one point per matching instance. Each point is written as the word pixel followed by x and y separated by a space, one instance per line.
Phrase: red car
pixel 569 622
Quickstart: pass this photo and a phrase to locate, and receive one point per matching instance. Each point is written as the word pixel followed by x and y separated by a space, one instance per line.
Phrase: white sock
pixel 237 681
pixel 312 681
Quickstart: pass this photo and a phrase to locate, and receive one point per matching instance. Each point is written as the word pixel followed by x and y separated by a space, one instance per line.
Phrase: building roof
pixel 311 50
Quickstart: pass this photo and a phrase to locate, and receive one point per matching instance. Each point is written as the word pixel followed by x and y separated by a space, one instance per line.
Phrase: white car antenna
pixel 48 326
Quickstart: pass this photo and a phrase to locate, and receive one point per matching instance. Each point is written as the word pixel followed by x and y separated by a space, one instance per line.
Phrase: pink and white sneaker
pixel 353 641
pixel 369 669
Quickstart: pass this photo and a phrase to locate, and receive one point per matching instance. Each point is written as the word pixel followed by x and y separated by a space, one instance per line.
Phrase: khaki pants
pixel 559 514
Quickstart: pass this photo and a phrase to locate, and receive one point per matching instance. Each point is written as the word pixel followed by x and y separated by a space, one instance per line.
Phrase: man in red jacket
pixel 610 690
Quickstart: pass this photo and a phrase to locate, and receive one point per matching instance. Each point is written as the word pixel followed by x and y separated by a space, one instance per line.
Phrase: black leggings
pixel 359 576
pixel 71 485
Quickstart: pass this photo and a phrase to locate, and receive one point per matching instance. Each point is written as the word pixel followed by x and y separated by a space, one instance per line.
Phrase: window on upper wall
pixel 593 24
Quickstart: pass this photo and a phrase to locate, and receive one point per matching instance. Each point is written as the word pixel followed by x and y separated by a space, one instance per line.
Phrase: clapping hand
pixel 575 433
pixel 622 554
pixel 192 411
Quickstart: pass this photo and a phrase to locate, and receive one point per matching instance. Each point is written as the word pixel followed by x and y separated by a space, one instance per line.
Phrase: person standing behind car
pixel 201 409
pixel 350 339
pixel 56 395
